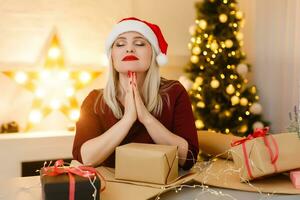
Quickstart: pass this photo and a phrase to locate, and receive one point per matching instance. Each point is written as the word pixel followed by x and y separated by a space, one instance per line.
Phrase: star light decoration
pixel 53 84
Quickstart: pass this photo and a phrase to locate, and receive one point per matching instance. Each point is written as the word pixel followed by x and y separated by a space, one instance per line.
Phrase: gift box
pixel 56 184
pixel 149 163
pixel 262 154
pixel 295 178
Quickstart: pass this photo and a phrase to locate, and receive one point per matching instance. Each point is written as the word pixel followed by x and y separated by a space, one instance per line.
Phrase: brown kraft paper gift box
pixel 149 163
pixel 259 155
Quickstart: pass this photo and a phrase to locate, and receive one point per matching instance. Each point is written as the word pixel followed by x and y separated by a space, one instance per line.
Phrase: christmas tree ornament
pixel 243 128
pixel 214 45
pixel 235 100
pixel 199 80
pixel 202 24
pixel 244 101
pixel 256 108
pixel 196 50
pixel 242 69
pixel 228 43
pixel 217 106
pixel 199 124
pixel 230 89
pixel 214 83
pixel 239 15
pixel 194 59
pixel 227 113
pixel 223 18
pixel 239 36
pixel 253 90
pixel 257 124
pixel 201 104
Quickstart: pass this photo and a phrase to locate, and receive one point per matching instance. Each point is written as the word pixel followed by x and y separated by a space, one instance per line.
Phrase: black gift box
pixel 57 187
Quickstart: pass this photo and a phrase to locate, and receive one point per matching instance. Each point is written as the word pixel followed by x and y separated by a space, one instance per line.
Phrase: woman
pixel 137 105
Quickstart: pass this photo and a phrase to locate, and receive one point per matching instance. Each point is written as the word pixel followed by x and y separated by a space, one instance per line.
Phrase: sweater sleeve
pixel 88 126
pixel 184 125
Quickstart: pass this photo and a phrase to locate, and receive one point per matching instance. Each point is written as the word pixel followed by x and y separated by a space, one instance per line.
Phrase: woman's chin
pixel 133 68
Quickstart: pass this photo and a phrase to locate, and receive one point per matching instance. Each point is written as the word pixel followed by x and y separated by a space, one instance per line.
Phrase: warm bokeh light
pixel 35 116
pixel 74 114
pixel 84 77
pixel 21 77
pixel 54 52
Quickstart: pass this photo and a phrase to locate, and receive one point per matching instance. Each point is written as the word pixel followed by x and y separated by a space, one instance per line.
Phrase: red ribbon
pixel 258 133
pixel 83 171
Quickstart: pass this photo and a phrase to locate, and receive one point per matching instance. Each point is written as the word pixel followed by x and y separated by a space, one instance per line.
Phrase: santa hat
pixel 150 31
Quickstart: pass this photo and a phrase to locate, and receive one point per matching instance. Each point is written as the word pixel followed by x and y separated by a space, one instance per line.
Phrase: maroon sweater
pixel 176 116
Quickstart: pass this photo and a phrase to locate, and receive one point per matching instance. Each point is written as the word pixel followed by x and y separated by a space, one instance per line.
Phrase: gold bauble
pixel 235 100
pixel 196 50
pixel 239 36
pixel 202 24
pixel 244 101
pixel 239 15
pixel 201 104
pixel 243 128
pixel 214 46
pixel 217 106
pixel 230 89
pixel 199 80
pixel 227 113
pixel 194 59
pixel 253 90
pixel 228 43
pixel 214 83
pixel 223 18
pixel 199 124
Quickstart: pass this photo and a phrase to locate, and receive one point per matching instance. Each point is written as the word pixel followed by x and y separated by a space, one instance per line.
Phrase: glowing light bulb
pixel 54 52
pixel 21 77
pixel 39 92
pixel 35 116
pixel 70 91
pixel 74 114
pixel 55 104
pixel 199 124
pixel 84 77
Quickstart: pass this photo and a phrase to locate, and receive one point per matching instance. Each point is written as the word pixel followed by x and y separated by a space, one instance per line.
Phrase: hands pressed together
pixel 134 105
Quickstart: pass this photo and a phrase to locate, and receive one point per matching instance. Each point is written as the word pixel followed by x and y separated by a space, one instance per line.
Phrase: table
pixel 29 188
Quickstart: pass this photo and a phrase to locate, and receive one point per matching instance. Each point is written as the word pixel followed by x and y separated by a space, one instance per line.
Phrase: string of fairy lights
pixel 53 85
pixel 218 69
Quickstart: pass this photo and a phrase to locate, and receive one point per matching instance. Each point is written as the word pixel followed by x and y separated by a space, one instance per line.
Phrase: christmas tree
pixel 221 97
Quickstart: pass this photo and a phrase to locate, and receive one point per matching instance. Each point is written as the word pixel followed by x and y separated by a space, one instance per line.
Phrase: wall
pixel 82 26
pixel 37 146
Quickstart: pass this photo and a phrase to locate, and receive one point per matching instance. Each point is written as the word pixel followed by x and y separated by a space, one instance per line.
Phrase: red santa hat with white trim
pixel 150 31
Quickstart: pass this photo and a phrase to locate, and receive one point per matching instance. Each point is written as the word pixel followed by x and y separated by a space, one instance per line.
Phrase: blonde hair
pixel 150 94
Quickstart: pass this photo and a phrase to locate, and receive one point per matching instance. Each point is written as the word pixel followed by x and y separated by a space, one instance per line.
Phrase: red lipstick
pixel 129 58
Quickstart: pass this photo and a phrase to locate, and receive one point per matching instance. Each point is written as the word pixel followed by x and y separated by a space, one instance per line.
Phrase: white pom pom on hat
pixel 150 31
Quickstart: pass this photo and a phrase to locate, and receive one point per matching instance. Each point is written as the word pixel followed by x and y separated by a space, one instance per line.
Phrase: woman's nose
pixel 130 48
pixel 129 51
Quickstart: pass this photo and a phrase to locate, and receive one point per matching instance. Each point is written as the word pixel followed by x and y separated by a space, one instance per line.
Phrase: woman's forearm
pixel 161 135
pixel 96 150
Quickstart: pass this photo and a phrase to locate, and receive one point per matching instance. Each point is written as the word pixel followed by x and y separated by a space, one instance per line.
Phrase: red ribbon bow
pixel 258 133
pixel 83 171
